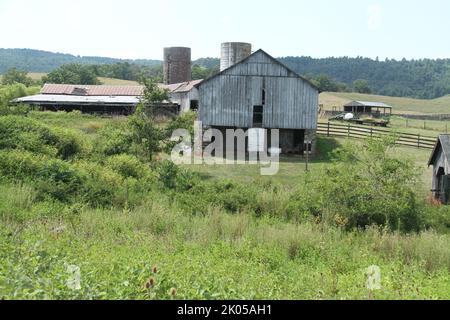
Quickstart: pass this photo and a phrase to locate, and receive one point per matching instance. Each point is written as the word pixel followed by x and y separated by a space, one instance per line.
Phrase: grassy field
pixel 117 82
pixel 36 75
pixel 106 81
pixel 234 241
pixel 401 105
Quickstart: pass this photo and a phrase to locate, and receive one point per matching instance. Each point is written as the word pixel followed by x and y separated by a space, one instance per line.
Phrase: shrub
pixel 184 121
pixel 368 186
pixel 51 177
pixel 127 166
pixel 28 134
pixel 112 141
pixel 70 143
pixel 100 184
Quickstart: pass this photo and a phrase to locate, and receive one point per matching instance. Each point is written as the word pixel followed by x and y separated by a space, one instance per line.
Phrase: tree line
pixel 423 78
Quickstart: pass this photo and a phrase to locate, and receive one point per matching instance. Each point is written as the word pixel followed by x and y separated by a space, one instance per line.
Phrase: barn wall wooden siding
pixel 228 99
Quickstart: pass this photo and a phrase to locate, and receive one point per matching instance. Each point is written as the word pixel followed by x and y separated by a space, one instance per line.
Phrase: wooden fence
pixel 364 132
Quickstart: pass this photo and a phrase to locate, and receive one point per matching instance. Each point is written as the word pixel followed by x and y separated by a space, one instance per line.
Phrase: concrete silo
pixel 234 52
pixel 177 65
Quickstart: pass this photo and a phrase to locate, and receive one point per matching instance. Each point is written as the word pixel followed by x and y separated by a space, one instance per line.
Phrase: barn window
pixel 257 116
pixel 194 105
pixel 263 95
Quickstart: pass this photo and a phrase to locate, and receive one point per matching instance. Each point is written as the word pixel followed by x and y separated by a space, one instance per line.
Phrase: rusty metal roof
pixel 105 90
pixel 100 90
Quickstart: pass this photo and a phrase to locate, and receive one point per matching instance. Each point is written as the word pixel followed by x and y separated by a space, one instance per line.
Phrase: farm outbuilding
pixel 184 94
pixel 261 92
pixel 103 99
pixel 440 160
pixel 366 107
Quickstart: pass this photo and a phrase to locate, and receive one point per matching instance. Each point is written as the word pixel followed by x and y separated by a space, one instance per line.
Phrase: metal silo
pixel 234 52
pixel 177 65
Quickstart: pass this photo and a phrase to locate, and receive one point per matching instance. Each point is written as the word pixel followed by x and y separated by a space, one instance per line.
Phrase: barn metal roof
pixel 367 104
pixel 105 90
pixel 70 99
pixel 443 142
pixel 95 90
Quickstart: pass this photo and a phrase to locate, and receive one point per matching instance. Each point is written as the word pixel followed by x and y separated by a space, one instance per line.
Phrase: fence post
pixel 371 132
pixel 348 135
pixel 328 129
pixel 418 141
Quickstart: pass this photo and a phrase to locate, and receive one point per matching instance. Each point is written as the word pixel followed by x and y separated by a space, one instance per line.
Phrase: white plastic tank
pixel 256 140
pixel 349 116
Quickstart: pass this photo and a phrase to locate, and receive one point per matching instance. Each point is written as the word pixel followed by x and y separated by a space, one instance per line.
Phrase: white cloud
pixel 374 17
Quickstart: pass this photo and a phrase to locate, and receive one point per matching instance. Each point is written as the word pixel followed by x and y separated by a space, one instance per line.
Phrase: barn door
pixel 445 189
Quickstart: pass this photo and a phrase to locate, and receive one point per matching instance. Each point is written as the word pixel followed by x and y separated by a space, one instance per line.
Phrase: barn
pixel 440 160
pixel 261 92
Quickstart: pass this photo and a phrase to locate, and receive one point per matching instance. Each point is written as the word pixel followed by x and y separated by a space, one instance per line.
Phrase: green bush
pixel 70 143
pixel 367 186
pixel 100 185
pixel 112 141
pixel 19 132
pixel 127 166
pixel 184 121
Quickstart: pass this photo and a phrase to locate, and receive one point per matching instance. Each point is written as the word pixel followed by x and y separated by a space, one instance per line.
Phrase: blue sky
pixel 317 28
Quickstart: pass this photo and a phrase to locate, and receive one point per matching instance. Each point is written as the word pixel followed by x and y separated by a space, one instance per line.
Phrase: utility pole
pixel 308 143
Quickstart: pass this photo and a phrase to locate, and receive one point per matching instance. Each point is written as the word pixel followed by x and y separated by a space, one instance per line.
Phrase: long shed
pixel 261 92
pixel 368 107
pixel 440 160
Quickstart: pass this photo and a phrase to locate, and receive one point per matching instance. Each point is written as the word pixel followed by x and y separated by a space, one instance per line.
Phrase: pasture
pixel 400 104
pixel 210 232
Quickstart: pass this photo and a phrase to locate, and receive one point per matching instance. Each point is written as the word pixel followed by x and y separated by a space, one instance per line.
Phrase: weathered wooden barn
pixel 440 160
pixel 261 92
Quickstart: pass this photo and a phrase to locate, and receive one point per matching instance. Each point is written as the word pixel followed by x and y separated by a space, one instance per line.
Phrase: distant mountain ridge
pixel 44 61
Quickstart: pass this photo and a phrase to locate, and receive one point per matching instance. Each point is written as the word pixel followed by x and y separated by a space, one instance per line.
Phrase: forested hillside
pixel 424 78
pixel 416 78
pixel 44 61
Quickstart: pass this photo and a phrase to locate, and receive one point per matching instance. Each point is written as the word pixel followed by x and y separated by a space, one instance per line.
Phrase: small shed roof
pixel 443 142
pixel 181 87
pixel 368 104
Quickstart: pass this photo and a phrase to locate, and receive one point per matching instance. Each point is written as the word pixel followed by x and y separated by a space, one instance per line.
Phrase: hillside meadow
pixel 79 200
pixel 400 104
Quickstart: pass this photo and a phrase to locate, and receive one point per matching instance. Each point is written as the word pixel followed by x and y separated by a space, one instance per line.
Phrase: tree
pixel 325 84
pixel 201 72
pixel 13 76
pixel 72 74
pixel 361 86
pixel 146 135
